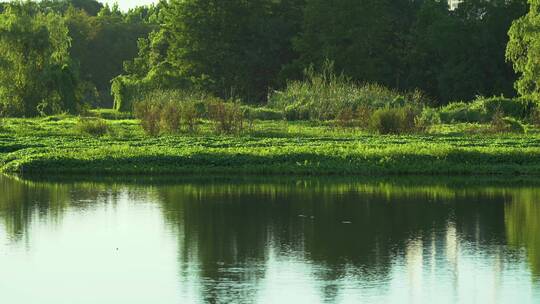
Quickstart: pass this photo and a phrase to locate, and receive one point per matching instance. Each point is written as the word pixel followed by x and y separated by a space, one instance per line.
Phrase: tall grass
pixel 92 126
pixel 228 117
pixel 325 95
pixel 170 112
pixel 484 109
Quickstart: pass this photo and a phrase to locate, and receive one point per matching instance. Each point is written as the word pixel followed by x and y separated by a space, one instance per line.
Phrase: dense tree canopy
pixel 524 51
pixel 102 43
pixel 450 55
pixel 243 49
pixel 455 55
pixel 36 74
pixel 239 45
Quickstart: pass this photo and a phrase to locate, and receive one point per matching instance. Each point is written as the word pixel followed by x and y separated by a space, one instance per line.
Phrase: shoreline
pixel 54 146
pixel 353 162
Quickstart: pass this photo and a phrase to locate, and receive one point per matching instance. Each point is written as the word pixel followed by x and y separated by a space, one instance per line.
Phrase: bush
pixel 363 116
pixel 110 114
pixel 394 120
pixel 428 117
pixel 92 126
pixel 190 114
pixel 345 118
pixel 535 117
pixel 483 109
pixel 513 125
pixel 171 111
pixel 519 108
pixel 150 115
pixel 2 113
pixel 262 113
pixel 464 112
pixel 170 117
pixel 228 117
pixel 503 124
pixel 324 95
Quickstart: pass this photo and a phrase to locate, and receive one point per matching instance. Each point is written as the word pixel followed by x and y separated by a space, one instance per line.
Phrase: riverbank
pixel 53 145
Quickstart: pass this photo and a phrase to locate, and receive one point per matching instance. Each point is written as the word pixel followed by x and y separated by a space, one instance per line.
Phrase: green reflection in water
pixel 229 230
pixel 522 219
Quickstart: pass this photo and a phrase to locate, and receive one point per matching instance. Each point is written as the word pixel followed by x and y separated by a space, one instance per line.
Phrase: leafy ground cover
pixel 54 145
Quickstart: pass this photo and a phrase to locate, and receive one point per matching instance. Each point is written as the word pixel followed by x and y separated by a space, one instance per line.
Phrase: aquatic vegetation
pixel 271 147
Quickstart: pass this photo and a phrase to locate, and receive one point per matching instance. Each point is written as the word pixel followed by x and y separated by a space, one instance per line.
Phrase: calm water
pixel 269 241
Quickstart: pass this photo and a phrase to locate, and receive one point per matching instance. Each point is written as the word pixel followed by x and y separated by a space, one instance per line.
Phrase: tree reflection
pixel 231 232
pixel 522 218
pixel 357 229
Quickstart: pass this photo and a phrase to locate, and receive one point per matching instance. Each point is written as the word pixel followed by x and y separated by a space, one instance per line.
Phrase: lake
pixel 258 240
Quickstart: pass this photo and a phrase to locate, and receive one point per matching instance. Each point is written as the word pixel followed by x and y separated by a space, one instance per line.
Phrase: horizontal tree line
pixel 244 49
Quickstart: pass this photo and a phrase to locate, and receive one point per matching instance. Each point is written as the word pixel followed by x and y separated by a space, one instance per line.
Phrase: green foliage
pixel 203 45
pixel 228 117
pixel 101 44
pixel 393 120
pixel 262 113
pixel 523 50
pixel 325 95
pixel 483 109
pixel 92 126
pixel 32 146
pixel 149 114
pixel 36 74
pixel 502 124
pixel 464 112
pixel 450 55
pixel 456 55
pixel 428 117
pixel 363 38
pixel 171 111
pixel 519 108
pixel 110 114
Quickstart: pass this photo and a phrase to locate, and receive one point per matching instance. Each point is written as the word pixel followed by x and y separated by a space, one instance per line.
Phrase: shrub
pixel 149 113
pixel 503 124
pixel 322 96
pixel 363 116
pixel 190 114
pixel 535 117
pixel 428 117
pixel 171 111
pixel 345 118
pixel 170 117
pixel 464 112
pixel 386 121
pixel 519 108
pixel 110 114
pixel 483 109
pixel 394 120
pixel 2 113
pixel 228 117
pixel 262 113
pixel 92 126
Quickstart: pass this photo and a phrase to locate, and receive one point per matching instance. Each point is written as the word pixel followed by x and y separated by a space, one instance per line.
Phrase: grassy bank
pixel 56 145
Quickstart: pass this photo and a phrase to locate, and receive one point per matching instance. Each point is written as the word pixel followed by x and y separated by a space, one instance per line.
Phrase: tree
pixel 36 75
pixel 240 46
pixel 456 55
pixel 91 7
pixel 523 51
pixel 101 44
pixel 364 38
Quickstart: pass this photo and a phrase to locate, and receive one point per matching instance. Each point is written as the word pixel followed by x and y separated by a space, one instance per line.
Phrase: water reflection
pixel 309 240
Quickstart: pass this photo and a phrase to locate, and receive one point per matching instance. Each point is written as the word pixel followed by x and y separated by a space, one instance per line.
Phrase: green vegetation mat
pixel 52 145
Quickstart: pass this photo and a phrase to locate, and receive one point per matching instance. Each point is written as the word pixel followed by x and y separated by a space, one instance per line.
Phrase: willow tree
pixel 35 72
pixel 523 51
